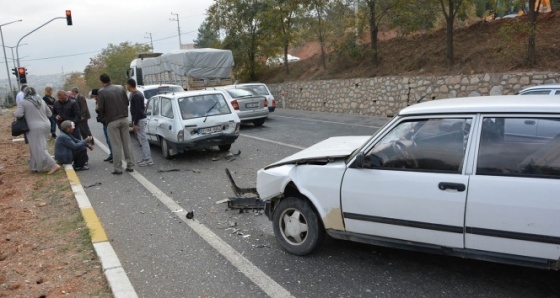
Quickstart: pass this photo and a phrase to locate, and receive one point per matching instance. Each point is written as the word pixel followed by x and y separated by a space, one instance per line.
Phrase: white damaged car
pixel 446 176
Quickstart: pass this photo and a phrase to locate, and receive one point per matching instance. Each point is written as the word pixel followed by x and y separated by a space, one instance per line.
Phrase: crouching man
pixel 68 149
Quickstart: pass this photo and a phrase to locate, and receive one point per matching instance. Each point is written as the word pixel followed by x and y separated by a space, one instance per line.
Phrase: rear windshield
pixel 161 90
pixel 259 89
pixel 203 105
pixel 240 92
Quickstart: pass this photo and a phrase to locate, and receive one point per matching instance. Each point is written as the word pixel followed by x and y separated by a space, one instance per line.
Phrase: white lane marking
pixel 273 142
pixel 263 281
pixel 325 121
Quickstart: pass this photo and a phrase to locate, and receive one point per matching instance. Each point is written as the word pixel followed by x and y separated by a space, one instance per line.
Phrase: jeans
pixel 53 125
pixel 143 139
pixel 108 141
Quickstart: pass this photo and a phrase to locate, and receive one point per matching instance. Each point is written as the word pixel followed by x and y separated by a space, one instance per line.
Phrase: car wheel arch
pixel 291 190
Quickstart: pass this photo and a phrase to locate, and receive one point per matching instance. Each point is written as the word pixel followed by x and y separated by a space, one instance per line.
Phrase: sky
pixel 58 48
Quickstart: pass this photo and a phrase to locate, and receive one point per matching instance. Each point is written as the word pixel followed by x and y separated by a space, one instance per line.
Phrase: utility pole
pixel 151 41
pixel 5 57
pixel 178 27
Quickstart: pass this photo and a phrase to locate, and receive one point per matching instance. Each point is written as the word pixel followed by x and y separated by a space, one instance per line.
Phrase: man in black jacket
pixel 112 104
pixel 139 122
pixel 67 109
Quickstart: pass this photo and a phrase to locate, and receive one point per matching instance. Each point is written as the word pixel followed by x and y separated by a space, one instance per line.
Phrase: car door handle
pixel 448 185
pixel 530 122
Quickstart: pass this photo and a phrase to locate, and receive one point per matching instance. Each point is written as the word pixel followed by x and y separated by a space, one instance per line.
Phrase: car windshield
pixel 203 105
pixel 162 90
pixel 259 89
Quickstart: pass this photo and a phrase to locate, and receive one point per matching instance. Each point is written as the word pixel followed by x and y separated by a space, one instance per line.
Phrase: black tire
pixel 165 148
pixel 224 147
pixel 299 215
pixel 259 122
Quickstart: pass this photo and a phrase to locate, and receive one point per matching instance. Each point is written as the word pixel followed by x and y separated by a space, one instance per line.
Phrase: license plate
pixel 252 105
pixel 208 130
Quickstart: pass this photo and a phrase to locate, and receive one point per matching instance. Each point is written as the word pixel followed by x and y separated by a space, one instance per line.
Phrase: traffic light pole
pixel 5 58
pixel 17 46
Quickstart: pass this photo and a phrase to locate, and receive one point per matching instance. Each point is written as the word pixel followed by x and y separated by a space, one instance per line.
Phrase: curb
pixel 112 268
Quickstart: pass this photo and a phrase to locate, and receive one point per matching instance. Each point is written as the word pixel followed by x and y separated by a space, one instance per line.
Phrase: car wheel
pixel 165 148
pixel 259 122
pixel 297 227
pixel 224 147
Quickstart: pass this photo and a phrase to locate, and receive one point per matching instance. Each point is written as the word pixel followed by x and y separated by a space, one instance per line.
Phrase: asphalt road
pixel 166 257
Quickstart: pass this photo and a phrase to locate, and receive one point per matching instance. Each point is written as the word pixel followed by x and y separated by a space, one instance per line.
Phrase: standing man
pixel 21 94
pixel 67 109
pixel 84 114
pixel 139 122
pixel 110 157
pixel 113 109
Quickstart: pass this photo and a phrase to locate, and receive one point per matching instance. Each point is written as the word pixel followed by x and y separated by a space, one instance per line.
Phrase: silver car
pixel 551 89
pixel 191 120
pixel 249 106
pixel 260 89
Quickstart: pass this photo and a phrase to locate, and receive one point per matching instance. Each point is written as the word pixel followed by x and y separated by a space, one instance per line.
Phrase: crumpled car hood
pixel 335 147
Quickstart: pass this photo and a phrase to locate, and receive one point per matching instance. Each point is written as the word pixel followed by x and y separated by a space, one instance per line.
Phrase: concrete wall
pixel 385 96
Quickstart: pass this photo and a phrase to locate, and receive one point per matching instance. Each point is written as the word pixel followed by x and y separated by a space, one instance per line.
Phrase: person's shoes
pixel 146 162
pixel 92 141
pixel 116 172
pixel 54 169
pixel 129 170
pixel 85 164
pixel 84 168
pixel 53 135
pixel 109 158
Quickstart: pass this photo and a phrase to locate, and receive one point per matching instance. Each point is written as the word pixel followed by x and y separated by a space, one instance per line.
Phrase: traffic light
pixel 22 72
pixel 69 17
pixel 14 71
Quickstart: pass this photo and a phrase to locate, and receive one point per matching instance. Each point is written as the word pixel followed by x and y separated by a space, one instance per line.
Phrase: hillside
pixel 479 48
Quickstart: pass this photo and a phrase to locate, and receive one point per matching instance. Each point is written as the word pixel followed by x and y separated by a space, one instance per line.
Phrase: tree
pixel 76 79
pixel 450 8
pixel 114 61
pixel 208 37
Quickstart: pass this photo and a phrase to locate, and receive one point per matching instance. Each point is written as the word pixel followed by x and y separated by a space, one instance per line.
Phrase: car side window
pixel 149 107
pixel 557 92
pixel 522 147
pixel 166 108
pixel 537 92
pixel 155 101
pixel 437 144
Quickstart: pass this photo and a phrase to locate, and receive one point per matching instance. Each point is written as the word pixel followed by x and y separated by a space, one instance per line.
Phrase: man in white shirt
pixel 21 94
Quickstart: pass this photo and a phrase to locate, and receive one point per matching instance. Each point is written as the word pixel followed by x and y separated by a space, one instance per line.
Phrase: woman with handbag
pixel 37 115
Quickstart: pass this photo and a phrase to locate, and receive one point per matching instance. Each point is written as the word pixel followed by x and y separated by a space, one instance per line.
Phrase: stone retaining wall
pixel 385 96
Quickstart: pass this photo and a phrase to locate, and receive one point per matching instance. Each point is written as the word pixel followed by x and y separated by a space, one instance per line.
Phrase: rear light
pixel 274 102
pixel 235 104
pixel 265 102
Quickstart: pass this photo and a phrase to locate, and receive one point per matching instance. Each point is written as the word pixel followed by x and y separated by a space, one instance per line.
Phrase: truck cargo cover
pixel 199 63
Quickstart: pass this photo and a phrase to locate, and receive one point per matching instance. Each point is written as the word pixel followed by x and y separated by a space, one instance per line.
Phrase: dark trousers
pixel 84 128
pixel 108 141
pixel 53 125
pixel 80 157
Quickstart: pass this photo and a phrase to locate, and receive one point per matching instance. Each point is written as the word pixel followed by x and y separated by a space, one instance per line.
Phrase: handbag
pixel 19 127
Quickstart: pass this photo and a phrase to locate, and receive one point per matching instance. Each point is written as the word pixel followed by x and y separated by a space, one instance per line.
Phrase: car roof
pixel 487 104
pixel 548 86
pixel 191 93
pixel 147 87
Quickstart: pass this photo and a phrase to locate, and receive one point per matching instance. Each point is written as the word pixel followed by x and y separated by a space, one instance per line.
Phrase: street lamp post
pixel 178 28
pixel 151 40
pixel 4 49
pixel 17 46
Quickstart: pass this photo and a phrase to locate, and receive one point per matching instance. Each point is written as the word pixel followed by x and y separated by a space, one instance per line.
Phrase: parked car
pixel 261 89
pixel 190 120
pixel 249 106
pixel 550 89
pixel 150 90
pixel 466 188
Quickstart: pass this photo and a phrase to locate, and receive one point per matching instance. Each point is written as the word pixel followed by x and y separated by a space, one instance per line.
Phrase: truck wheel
pixel 165 148
pixel 224 147
pixel 297 227
pixel 259 122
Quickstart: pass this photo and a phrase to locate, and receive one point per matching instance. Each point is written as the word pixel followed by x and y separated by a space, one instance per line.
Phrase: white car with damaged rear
pixel 446 176
pixel 191 120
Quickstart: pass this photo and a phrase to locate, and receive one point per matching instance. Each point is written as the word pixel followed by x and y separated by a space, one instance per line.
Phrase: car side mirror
pixel 359 161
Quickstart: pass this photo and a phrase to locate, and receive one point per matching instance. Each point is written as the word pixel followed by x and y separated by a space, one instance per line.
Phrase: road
pixel 166 255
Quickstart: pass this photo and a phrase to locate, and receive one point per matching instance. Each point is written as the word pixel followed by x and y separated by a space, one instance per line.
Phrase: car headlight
pixel 181 135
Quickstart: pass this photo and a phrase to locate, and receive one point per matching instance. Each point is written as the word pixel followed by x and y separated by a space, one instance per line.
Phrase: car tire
pixel 224 147
pixel 165 148
pixel 259 122
pixel 297 227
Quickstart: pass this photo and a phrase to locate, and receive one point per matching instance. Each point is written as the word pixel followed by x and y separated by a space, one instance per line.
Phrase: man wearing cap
pixel 113 110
